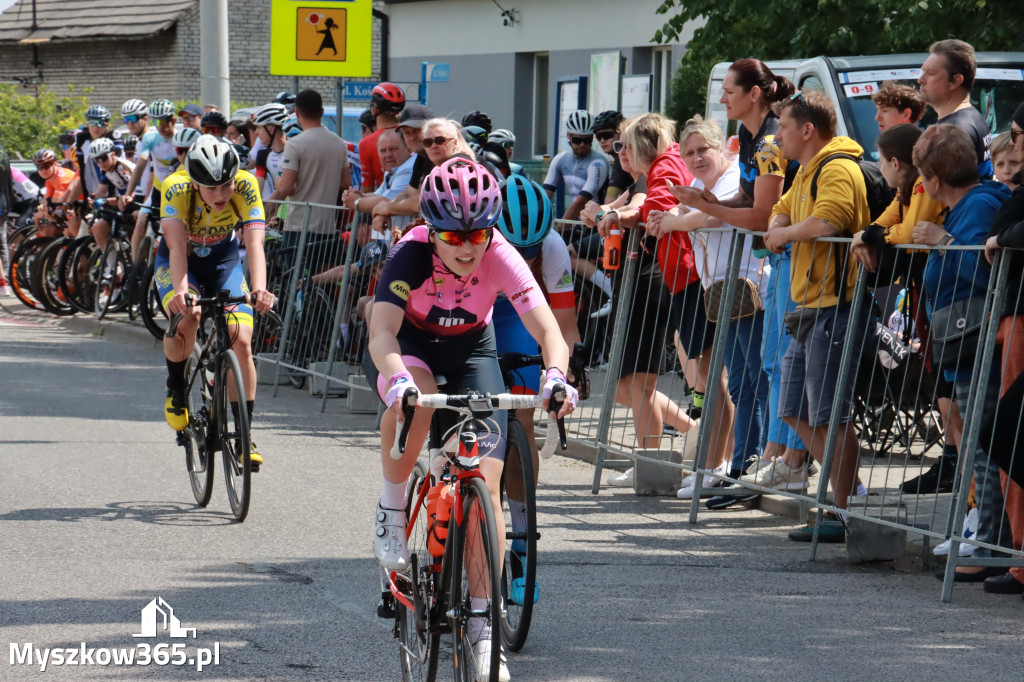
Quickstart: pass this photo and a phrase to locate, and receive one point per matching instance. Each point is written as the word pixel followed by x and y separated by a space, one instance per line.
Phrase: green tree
pixel 33 121
pixel 786 29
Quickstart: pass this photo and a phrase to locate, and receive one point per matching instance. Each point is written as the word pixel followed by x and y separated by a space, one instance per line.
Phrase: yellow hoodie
pixel 842 202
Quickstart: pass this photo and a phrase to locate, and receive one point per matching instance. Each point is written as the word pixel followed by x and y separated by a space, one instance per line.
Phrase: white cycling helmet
pixel 161 108
pixel 503 137
pixel 292 127
pixel 211 162
pixel 100 146
pixel 134 107
pixel 580 122
pixel 184 138
pixel 270 114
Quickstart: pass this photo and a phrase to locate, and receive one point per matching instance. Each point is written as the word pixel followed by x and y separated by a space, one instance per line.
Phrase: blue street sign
pixel 358 91
pixel 438 72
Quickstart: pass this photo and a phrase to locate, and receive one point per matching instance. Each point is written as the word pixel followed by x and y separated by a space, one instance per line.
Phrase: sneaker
pixel 623 480
pixel 482 655
pixel 389 539
pixel 710 481
pixel 812 467
pixel 254 457
pixel 517 588
pixel 966 548
pixel 832 530
pixel 733 494
pixel 603 311
pixel 6 291
pixel 938 479
pixel 778 475
pixel 175 411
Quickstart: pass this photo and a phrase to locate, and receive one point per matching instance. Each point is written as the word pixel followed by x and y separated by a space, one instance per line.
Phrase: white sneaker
pixel 603 311
pixel 389 539
pixel 623 480
pixel 780 476
pixel 966 548
pixel 710 481
pixel 5 291
pixel 690 478
pixel 482 655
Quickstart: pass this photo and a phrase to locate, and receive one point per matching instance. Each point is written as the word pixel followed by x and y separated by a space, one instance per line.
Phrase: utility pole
pixel 214 69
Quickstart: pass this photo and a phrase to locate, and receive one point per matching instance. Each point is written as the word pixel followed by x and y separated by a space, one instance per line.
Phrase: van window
pixel 812 82
pixel 995 95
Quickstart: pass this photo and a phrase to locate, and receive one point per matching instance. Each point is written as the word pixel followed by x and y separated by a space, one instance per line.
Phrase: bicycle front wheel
pixel 151 309
pixel 418 645
pixel 519 577
pixel 234 436
pixel 198 457
pixel 476 586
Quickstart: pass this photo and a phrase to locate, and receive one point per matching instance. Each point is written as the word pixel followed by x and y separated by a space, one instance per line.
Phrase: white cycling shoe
pixel 482 654
pixel 389 539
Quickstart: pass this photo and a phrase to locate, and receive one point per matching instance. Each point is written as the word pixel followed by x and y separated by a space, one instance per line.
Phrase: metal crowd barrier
pixel 888 377
pixel 892 385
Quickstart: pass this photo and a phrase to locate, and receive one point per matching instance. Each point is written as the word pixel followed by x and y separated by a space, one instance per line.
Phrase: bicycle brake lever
pixel 408 411
pixel 555 406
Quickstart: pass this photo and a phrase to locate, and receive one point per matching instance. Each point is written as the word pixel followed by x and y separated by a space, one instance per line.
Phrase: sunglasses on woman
pixel 46 166
pixel 617 146
pixel 474 237
pixel 429 142
pixel 606 135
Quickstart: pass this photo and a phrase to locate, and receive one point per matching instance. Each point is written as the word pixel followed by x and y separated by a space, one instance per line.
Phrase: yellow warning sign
pixel 320 34
pixel 331 38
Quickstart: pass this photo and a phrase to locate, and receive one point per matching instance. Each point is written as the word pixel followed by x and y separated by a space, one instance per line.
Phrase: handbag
pixel 956 331
pixel 800 322
pixel 746 303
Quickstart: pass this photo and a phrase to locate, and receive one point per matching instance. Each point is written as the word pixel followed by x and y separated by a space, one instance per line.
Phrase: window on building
pixel 540 104
pixel 661 63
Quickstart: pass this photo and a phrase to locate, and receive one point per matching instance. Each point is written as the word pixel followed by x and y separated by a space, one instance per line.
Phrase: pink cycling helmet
pixel 460 195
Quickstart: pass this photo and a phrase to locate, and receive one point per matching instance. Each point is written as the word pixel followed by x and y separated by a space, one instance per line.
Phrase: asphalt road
pixel 97 520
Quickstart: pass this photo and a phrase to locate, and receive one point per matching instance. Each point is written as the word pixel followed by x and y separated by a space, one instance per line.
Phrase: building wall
pixel 502 85
pixel 542 25
pixel 114 70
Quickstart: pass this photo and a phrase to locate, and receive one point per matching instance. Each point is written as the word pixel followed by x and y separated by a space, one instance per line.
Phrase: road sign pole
pixel 423 84
pixel 339 103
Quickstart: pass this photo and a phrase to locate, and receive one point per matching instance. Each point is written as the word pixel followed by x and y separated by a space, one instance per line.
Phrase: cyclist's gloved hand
pixel 397 386
pixel 555 378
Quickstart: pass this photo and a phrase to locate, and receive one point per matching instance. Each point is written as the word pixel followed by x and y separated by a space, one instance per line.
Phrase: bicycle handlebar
pixel 479 406
pixel 190 300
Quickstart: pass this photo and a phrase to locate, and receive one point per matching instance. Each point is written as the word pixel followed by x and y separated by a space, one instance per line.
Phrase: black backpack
pixel 880 195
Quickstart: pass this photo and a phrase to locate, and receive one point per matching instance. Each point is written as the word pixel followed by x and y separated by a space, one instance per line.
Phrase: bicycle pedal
pixel 182 438
pixel 387 608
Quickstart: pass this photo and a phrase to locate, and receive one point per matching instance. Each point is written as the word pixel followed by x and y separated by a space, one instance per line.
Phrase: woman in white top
pixel 701 149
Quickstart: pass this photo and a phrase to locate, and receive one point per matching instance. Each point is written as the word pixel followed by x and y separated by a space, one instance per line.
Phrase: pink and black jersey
pixel 438 302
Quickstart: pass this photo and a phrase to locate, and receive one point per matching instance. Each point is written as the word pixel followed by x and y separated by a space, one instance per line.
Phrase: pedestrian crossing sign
pixel 330 38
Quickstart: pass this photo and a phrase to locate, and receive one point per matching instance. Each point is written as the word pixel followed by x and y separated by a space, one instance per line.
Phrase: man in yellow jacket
pixel 821 284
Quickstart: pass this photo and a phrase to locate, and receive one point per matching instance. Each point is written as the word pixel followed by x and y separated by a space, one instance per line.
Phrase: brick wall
pixel 167 65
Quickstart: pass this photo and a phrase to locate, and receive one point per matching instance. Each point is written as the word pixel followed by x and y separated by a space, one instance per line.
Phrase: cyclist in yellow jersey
pixel 202 204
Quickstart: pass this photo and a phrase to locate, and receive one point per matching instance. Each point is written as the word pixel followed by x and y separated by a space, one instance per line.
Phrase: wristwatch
pixel 356 204
pixel 947 238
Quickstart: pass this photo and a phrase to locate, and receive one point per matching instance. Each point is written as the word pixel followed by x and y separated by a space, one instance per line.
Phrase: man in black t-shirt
pixel 947 77
pixel 606 130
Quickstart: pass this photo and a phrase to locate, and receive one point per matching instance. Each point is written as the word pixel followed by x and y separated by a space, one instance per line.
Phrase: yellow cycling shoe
pixel 175 412
pixel 254 458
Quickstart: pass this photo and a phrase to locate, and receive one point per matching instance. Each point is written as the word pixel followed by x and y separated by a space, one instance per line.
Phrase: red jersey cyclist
pixel 202 204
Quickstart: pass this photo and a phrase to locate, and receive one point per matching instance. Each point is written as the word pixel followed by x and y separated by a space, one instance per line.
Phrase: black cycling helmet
pixel 474 135
pixel 285 97
pixel 388 98
pixel 211 162
pixel 368 119
pixel 44 157
pixel 214 118
pixel 68 137
pixel 478 119
pixel 608 120
pixel 130 142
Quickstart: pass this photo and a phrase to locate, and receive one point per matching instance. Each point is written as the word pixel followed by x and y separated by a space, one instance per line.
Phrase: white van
pixel 850 82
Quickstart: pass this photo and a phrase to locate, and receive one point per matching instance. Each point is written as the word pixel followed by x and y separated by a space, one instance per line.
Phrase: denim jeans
pixel 748 387
pixel 777 303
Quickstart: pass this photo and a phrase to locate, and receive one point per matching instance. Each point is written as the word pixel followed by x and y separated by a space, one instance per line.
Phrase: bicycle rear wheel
pixel 22 262
pixel 234 438
pixel 44 276
pixel 418 647
pixel 110 283
pixel 473 552
pixel 519 575
pixel 198 457
pixel 73 274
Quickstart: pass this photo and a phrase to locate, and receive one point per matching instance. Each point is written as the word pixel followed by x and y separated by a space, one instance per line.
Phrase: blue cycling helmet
pixel 526 216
